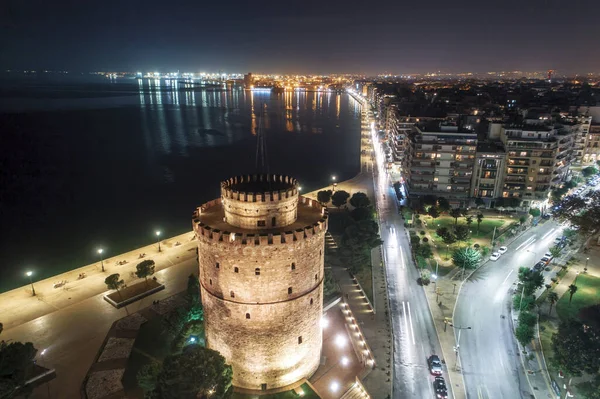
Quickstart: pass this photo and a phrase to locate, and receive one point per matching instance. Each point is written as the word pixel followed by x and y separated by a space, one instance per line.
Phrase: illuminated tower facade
pixel 260 251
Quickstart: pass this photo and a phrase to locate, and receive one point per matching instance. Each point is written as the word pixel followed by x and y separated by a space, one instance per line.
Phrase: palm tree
pixel 479 220
pixel 572 290
pixel 456 213
pixel 552 298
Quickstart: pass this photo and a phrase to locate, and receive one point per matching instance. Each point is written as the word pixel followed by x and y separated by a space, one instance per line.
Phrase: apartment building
pixel 591 149
pixel 488 172
pixel 440 161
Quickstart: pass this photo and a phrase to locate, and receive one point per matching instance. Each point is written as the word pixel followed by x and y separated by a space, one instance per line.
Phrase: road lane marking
pixel 525 242
pixel 405 318
pixel 530 244
pixel 411 323
pixel 548 233
pixel 402 258
pixel 507 276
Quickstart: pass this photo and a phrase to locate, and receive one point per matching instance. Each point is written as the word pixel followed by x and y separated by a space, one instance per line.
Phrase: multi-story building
pixel 440 161
pixel 488 172
pixel 591 150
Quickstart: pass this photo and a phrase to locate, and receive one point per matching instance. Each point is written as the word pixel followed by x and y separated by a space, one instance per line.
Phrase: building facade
pixel 260 253
pixel 488 172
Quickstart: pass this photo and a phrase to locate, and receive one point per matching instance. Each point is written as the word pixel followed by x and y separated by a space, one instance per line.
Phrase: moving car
pixel 435 365
pixel 439 386
pixel 502 250
pixel 495 256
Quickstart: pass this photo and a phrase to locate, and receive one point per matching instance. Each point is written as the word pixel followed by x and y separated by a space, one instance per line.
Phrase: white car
pixel 502 250
pixel 495 256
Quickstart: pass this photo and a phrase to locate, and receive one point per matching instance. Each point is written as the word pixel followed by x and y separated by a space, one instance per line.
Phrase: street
pixel 488 352
pixel 415 336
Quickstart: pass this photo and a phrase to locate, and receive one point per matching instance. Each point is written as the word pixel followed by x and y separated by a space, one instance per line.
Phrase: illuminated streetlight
pixel 333 178
pixel 100 251
pixel 29 274
pixel 299 188
pixel 340 341
pixel 344 360
pixel 334 386
pixel 324 322
pixel 158 239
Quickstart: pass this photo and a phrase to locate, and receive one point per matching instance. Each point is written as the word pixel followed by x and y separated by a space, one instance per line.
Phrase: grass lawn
pixel 308 394
pixel 588 293
pixel 133 290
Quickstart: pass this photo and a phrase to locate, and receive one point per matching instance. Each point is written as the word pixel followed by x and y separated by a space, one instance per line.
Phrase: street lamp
pixel 447 254
pixel 586 263
pixel 29 274
pixel 457 347
pixel 100 251
pixel 334 182
pixel 158 239
pixel 434 276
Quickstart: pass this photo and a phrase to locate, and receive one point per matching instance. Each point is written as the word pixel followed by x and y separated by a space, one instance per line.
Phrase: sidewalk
pixel 18 306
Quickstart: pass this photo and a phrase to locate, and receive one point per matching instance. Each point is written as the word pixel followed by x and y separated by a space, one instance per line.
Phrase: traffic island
pixel 132 293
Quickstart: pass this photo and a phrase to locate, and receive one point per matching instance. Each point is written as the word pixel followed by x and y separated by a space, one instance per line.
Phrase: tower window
pixel 247 315
pixel 236 270
pixel 311 301
pixel 293 266
pixel 217 265
pixel 210 281
pixel 273 221
pixel 299 340
pixel 261 223
pixel 257 271
pixel 289 290
pixel 316 277
pixel 232 294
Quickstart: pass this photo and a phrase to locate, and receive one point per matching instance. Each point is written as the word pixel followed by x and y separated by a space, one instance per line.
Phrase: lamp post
pixel 158 239
pixel 586 264
pixel 29 274
pixel 100 251
pixel 576 275
pixel 457 347
pixel 447 254
pixel 334 184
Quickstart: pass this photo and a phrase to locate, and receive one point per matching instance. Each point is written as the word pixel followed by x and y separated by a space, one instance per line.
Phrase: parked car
pixel 439 386
pixel 546 259
pixel 435 365
pixel 502 250
pixel 539 267
pixel 495 256
pixel 548 255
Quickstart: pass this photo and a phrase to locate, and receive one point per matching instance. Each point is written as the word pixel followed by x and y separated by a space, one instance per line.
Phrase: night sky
pixel 400 36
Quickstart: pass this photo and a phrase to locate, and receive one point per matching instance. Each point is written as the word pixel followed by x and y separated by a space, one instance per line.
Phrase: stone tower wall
pixel 274 208
pixel 269 335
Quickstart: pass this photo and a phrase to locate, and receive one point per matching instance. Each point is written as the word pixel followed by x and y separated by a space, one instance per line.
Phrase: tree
pixel 359 214
pixel 590 389
pixel 526 302
pixel 113 283
pixel 552 298
pixel 523 219
pixel 425 251
pixel 590 315
pixel 555 252
pixel 443 204
pixel 197 372
pixel 148 375
pixel 339 198
pixel 360 200
pixel 580 211
pixel 429 200
pixel 576 348
pixel 16 365
pixel 456 213
pixel 466 258
pixel 479 220
pixel 527 318
pixel 433 212
pixel 449 238
pixel 524 334
pixel 442 231
pixel 144 269
pixel 535 212
pixel 589 171
pixel 533 281
pixel 572 291
pixel 469 221
pixel 415 241
pixel 461 233
pixel 193 289
pixel 479 201
pixel 324 196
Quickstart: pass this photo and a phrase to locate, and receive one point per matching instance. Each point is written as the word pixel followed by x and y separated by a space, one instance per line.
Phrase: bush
pixel 524 334
pixel 476 246
pixel 527 318
pixel 547 269
pixel 425 239
pixel 406 225
pixel 527 304
pixel 554 280
pixel 422 232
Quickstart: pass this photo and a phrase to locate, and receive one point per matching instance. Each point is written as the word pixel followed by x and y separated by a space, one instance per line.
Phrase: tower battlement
pixel 227 234
pixel 259 188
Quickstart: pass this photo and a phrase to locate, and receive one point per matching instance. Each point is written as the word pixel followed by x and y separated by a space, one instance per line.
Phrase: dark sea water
pixel 88 163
